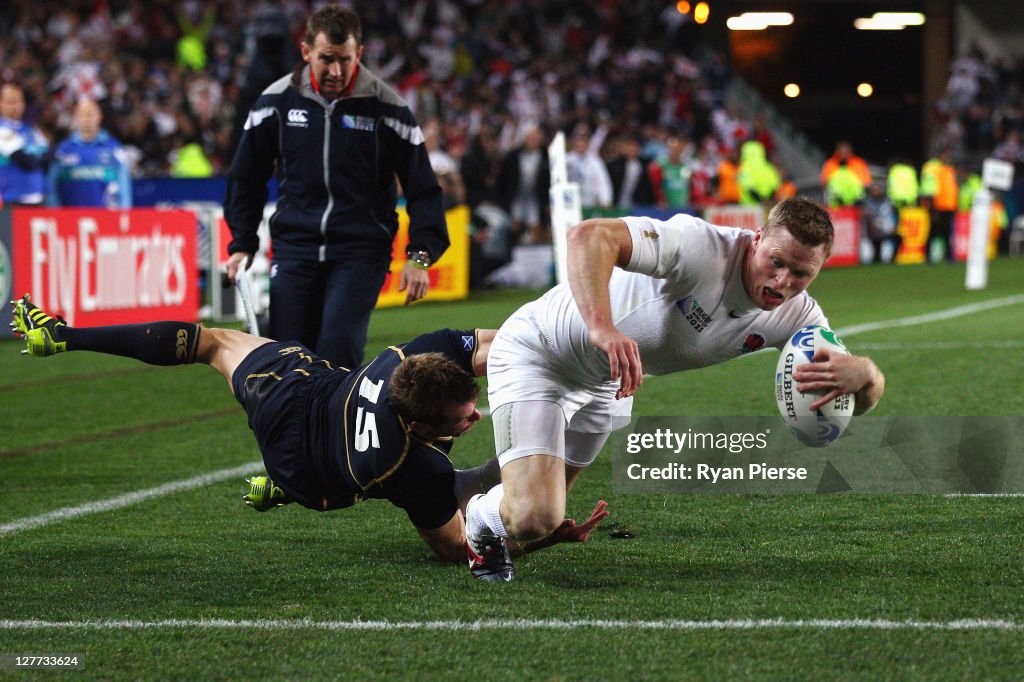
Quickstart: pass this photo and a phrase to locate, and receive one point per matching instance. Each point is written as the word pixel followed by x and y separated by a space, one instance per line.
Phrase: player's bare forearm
pixel 448 541
pixel 870 393
pixel 484 337
pixel 594 248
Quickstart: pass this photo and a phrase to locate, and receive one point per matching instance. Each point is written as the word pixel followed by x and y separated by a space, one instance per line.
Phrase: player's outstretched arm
pixel 448 541
pixel 594 248
pixel 484 337
pixel 838 374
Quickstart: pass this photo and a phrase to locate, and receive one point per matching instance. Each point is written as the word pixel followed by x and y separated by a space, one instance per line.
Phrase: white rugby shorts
pixel 534 404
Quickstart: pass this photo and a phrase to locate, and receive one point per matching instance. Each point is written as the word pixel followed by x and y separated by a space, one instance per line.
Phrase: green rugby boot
pixel 264 494
pixel 42 333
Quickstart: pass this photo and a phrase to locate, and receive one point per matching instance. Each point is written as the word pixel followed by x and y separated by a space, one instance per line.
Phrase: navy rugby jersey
pixel 362 448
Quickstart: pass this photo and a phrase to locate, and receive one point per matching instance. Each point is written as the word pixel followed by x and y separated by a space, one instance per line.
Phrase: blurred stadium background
pixel 121 536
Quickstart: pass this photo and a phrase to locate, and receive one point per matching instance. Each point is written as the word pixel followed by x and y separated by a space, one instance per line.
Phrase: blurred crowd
pixel 169 74
pixel 981 114
pixel 641 101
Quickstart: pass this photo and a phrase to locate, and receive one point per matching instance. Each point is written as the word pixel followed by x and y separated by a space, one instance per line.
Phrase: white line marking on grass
pixel 937 316
pixel 517 624
pixel 940 345
pixel 128 499
pixel 217 476
pixel 984 494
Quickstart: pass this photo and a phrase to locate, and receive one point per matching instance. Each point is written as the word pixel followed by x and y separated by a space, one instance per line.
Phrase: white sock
pixel 483 514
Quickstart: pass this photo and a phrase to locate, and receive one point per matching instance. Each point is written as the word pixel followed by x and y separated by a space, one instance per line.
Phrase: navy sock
pixel 155 343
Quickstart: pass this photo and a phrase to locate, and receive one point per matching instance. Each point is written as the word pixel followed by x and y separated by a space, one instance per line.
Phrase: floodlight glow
pixel 791 90
pixel 865 90
pixel 743 23
pixel 758 21
pixel 772 18
pixel 864 24
pixel 701 12
pixel 889 21
pixel 905 18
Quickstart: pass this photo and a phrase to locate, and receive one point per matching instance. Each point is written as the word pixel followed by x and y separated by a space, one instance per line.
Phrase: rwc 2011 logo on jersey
pixel 298 118
pixel 693 313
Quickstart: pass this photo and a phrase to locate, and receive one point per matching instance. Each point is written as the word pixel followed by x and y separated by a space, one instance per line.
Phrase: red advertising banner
pixel 961 235
pixel 99 267
pixel 846 221
pixel 735 215
pixel 962 232
pixel 846 242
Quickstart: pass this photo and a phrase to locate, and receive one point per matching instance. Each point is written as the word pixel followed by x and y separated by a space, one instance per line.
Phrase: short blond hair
pixel 807 221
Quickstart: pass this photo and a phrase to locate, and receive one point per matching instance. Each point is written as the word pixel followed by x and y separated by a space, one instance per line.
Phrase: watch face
pixel 420 257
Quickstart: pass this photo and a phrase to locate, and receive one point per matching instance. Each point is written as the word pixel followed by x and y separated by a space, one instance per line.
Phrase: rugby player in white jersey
pixel 644 296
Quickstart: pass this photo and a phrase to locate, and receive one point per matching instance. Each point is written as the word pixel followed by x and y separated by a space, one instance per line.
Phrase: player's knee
pixel 533 522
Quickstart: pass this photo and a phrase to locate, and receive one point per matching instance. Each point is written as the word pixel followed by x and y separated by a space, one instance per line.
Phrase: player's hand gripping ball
pixel 820 427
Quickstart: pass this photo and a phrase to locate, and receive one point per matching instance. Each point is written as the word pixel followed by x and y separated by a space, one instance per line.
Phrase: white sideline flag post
pixel 566 206
pixel 995 174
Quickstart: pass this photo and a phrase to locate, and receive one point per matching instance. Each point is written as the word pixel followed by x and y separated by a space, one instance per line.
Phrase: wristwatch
pixel 420 259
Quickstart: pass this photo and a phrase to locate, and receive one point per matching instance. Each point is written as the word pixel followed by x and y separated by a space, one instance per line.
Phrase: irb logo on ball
pixel 822 426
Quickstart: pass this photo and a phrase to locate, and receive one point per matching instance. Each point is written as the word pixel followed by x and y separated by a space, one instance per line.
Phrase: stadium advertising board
pixel 98 267
pixel 846 243
pixel 449 276
pixel 962 232
pixel 913 226
pixel 6 276
pixel 845 246
pixel 734 215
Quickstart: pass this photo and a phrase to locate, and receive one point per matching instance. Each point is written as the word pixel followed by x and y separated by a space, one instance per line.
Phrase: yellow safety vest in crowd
pixel 844 187
pixel 191 163
pixel 757 177
pixel 967 191
pixel 902 185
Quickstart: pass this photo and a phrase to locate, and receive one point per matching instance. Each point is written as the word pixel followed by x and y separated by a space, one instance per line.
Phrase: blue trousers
pixel 326 306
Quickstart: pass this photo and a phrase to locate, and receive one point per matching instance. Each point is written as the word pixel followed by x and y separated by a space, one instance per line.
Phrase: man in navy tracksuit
pixel 337 136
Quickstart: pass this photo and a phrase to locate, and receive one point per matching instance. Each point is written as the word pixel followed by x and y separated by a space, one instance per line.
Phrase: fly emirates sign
pixel 108 267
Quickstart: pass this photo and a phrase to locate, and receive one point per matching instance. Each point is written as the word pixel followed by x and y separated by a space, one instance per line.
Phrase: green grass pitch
pixel 84 428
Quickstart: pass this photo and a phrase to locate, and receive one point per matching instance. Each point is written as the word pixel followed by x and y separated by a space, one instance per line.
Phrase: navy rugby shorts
pixel 274 396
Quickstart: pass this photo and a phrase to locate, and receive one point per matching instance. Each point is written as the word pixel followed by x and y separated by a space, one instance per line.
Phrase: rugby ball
pixel 822 426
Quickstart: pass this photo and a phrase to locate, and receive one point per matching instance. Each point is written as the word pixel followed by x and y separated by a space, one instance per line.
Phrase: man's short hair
pixel 808 222
pixel 425 386
pixel 336 23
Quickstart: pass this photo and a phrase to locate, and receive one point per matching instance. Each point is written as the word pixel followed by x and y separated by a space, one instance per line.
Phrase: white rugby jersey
pixel 682 300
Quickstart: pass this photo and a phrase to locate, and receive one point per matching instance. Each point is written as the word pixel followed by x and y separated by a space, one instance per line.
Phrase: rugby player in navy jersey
pixel 331 437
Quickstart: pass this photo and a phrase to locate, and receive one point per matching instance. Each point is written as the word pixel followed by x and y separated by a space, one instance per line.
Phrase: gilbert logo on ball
pixel 819 427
